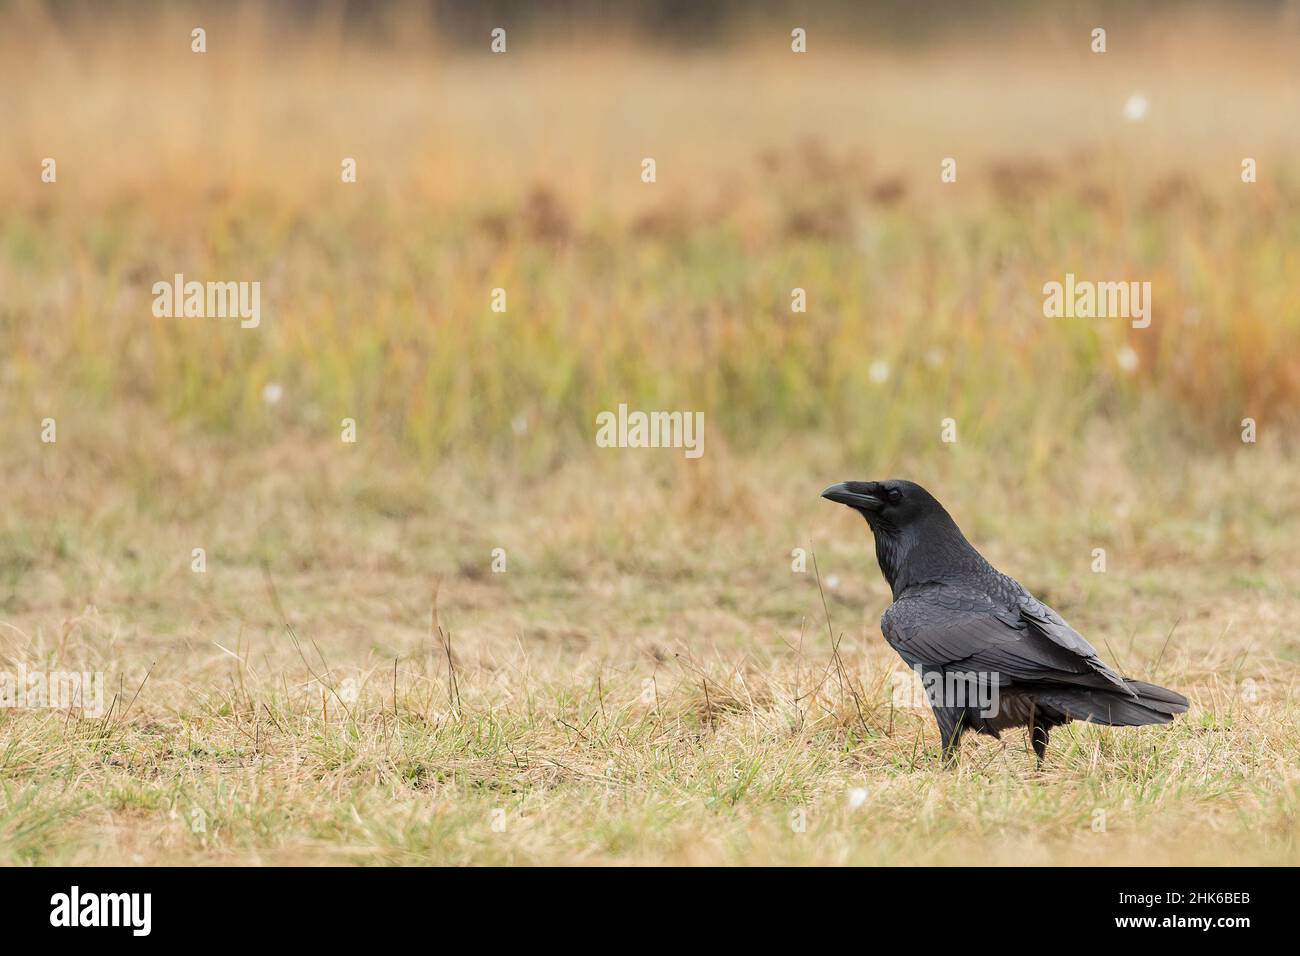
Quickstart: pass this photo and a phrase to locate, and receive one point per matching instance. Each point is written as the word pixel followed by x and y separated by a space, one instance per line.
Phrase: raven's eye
pixel 895 496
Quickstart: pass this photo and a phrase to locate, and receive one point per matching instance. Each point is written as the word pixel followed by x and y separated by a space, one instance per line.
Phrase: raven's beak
pixel 844 494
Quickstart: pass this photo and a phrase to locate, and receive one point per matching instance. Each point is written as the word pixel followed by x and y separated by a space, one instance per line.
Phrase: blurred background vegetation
pixel 775 171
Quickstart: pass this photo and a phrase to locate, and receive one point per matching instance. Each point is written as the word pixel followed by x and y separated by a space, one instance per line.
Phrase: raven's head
pixel 887 505
pixel 916 539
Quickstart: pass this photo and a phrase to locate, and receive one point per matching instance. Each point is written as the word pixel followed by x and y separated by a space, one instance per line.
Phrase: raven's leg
pixel 951 721
pixel 1040 742
pixel 1037 733
pixel 952 746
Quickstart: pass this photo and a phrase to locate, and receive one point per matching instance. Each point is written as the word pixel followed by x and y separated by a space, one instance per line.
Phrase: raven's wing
pixel 954 627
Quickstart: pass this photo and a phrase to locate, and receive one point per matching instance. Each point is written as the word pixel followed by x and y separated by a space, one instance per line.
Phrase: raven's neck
pixel 932 550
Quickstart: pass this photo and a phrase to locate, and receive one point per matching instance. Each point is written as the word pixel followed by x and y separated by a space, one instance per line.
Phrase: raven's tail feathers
pixel 1157 698
pixel 1153 705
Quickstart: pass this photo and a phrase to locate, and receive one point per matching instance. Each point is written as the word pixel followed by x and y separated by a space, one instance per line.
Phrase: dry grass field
pixel 649 681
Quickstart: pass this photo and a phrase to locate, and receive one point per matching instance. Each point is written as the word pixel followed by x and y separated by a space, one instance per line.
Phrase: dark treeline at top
pixel 699 21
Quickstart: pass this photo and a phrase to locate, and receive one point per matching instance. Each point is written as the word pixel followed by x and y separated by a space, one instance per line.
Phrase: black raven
pixel 990 655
